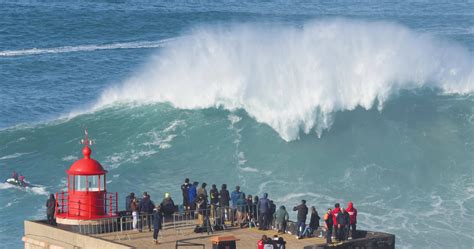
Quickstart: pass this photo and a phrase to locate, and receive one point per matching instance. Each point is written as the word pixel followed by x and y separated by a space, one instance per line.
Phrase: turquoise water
pixel 337 102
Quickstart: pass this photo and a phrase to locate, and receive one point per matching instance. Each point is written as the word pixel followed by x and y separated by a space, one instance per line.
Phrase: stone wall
pixel 365 240
pixel 40 235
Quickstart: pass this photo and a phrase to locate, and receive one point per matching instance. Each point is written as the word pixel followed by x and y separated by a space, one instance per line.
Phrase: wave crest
pixel 294 78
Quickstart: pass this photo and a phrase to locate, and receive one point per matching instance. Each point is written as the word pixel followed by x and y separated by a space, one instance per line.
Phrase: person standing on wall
pixel 335 213
pixel 301 217
pixel 328 222
pixel 353 219
pixel 50 209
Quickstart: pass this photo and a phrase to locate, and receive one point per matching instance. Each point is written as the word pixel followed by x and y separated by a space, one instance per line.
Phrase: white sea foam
pixel 38 190
pixel 248 169
pixel 15 155
pixel 85 48
pixel 294 78
pixel 69 158
pixel 233 119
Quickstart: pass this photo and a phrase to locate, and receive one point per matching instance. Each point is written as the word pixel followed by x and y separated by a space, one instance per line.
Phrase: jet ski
pixel 18 183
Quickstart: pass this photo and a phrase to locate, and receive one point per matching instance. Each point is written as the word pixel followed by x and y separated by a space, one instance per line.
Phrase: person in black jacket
pixel 255 208
pixel 185 189
pixel 167 206
pixel 347 219
pixel 301 217
pixel 313 223
pixel 145 207
pixel 341 224
pixel 157 223
pixel 224 201
pixel 271 212
pixel 128 200
pixel 263 210
pixel 50 209
pixel 328 221
pixel 214 195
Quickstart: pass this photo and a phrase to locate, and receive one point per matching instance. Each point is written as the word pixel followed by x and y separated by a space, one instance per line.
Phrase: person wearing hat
pixel 185 189
pixel 167 205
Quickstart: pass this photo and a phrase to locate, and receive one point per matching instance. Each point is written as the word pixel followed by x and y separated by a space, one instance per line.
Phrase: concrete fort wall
pixel 366 240
pixel 40 235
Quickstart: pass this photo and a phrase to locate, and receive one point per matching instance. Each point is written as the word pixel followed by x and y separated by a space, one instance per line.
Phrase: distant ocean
pixel 370 102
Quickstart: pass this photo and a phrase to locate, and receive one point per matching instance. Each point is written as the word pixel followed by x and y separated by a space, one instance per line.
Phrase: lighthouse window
pixel 80 183
pixel 93 183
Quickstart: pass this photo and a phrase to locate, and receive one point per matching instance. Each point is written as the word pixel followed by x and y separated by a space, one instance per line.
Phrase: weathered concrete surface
pixel 366 240
pixel 41 235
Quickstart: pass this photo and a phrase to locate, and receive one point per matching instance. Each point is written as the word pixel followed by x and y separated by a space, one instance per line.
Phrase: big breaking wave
pixel 295 78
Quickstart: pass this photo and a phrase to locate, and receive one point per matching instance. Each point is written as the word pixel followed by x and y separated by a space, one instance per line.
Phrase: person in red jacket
pixel 335 212
pixel 261 243
pixel 353 218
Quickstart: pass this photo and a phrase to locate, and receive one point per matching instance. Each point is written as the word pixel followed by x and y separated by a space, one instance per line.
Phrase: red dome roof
pixel 86 165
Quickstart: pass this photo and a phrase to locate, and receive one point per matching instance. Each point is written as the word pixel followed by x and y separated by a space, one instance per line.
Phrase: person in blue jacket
pixel 234 197
pixel 192 197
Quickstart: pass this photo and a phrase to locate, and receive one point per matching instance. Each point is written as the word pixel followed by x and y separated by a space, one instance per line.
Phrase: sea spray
pixel 295 78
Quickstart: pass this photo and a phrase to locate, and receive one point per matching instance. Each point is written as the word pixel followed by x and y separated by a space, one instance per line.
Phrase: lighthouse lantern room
pixel 86 197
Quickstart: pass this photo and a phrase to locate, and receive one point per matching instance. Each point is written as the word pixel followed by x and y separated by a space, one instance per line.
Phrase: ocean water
pixel 370 102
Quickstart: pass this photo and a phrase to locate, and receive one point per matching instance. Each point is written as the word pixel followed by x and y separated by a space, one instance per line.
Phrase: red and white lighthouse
pixel 86 197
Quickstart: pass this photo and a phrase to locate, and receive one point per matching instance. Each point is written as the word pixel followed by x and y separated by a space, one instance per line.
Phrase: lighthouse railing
pixel 85 207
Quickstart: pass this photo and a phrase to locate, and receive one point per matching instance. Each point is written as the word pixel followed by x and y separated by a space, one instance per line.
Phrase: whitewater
pixel 371 103
pixel 294 78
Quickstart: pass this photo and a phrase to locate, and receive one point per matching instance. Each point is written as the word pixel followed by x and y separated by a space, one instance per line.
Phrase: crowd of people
pixel 243 210
pixel 237 209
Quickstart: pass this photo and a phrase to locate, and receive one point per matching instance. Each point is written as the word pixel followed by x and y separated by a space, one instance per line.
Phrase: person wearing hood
pixel 352 219
pixel 281 219
pixel 263 209
pixel 167 205
pixel 50 209
pixel 157 223
pixel 185 190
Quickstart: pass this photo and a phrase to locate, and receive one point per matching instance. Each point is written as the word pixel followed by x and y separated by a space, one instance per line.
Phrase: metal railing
pixel 65 207
pixel 204 220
